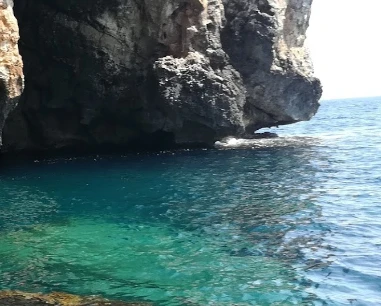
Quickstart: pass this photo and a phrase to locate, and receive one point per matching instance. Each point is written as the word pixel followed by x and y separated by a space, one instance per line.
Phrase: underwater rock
pixel 18 298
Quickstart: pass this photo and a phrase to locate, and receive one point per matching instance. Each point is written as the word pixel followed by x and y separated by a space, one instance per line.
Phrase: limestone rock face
pixel 159 72
pixel 265 40
pixel 11 74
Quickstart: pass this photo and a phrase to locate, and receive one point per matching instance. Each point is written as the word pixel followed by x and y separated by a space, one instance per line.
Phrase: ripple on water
pixel 292 221
pixel 152 262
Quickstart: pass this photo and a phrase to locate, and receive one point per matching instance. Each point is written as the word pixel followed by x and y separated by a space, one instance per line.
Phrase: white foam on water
pixel 288 141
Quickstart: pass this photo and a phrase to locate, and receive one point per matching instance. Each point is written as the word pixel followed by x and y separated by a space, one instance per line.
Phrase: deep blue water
pixel 289 221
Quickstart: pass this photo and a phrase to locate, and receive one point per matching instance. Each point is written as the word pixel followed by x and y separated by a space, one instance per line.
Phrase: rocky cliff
pixel 11 74
pixel 159 72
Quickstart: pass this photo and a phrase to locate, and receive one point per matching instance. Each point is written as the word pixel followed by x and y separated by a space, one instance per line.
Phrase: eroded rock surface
pixel 266 44
pixel 159 72
pixel 11 74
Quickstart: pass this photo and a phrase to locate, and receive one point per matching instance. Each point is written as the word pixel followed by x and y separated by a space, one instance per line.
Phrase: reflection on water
pixel 289 221
pixel 22 205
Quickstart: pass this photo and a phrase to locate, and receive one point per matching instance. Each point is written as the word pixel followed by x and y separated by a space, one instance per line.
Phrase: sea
pixel 292 220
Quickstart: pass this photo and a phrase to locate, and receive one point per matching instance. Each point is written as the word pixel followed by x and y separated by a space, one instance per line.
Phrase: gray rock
pixel 159 72
pixel 266 44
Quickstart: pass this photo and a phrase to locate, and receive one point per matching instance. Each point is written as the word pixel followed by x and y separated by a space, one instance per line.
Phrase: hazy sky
pixel 345 43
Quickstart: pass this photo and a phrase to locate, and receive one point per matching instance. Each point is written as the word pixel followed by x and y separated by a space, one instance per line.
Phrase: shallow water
pixel 288 221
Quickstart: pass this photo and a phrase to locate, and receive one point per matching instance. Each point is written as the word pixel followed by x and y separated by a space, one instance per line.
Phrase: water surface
pixel 286 221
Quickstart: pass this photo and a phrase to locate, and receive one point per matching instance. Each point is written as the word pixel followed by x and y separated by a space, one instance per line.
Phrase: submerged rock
pixel 18 298
pixel 163 72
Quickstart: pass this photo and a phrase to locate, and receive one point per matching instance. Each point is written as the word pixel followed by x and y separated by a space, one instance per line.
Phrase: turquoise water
pixel 290 221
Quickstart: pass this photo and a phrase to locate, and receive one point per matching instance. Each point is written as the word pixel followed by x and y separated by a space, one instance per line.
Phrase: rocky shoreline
pixel 161 73
pixel 18 298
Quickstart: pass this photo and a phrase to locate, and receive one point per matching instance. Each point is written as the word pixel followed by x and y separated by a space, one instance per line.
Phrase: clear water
pixel 291 221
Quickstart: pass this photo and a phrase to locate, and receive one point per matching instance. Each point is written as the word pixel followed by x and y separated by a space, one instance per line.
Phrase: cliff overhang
pixel 129 73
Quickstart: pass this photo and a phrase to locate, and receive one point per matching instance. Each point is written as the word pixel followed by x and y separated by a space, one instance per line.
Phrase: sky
pixel 345 43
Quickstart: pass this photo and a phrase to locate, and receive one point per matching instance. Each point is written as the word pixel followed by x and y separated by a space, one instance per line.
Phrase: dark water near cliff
pixel 293 221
